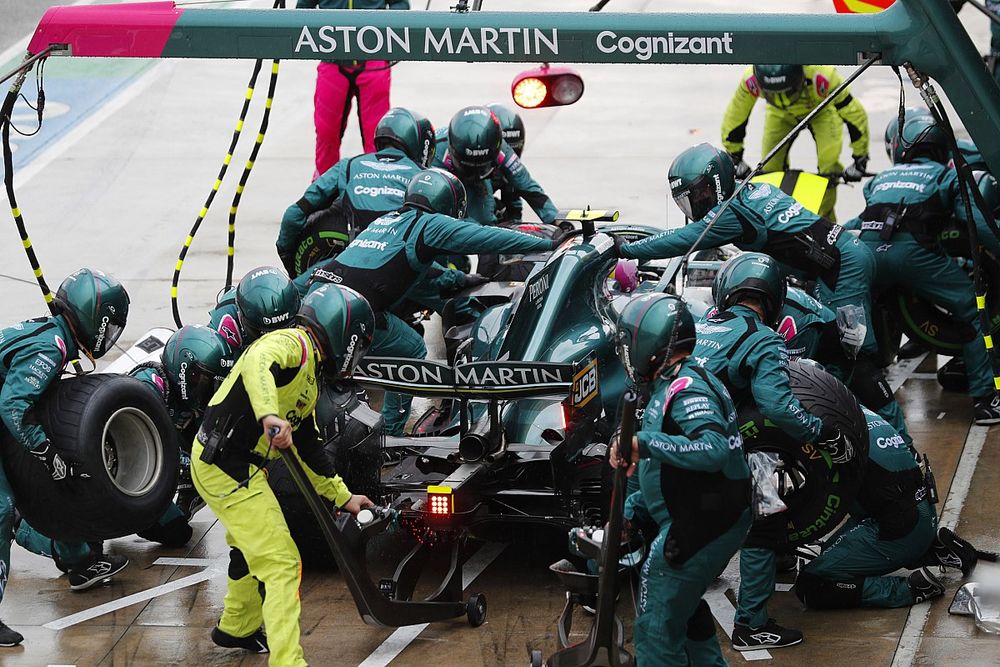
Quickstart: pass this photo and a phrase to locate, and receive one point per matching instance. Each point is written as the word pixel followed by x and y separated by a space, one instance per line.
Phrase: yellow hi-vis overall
pixel 274 376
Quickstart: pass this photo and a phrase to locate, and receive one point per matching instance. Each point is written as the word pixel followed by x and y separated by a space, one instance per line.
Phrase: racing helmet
pixel 920 137
pixel 437 191
pixel 96 306
pixel 781 85
pixel 195 359
pixel 265 300
pixel 474 138
pixel 701 178
pixel 751 274
pixel 651 329
pixel 409 132
pixel 892 129
pixel 342 325
pixel 511 126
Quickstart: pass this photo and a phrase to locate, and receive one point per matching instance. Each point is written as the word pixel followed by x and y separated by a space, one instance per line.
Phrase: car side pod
pixel 388 604
pixel 605 643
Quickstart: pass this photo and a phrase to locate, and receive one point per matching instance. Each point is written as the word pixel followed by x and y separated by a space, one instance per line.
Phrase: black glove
pixel 742 168
pixel 858 170
pixel 474 280
pixel 288 261
pixel 836 444
pixel 619 242
pixel 58 466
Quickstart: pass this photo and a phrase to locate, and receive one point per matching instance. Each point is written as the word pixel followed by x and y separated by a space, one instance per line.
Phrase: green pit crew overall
pixel 764 219
pixel 892 525
pixel 695 484
pixel 395 253
pixel 918 198
pixel 33 355
pixel 482 204
pixel 810 331
pixel 752 362
pixel 367 186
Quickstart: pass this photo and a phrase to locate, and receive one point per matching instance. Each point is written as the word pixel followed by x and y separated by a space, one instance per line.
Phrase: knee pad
pixel 238 567
pixel 870 386
pixel 818 593
pixel 701 626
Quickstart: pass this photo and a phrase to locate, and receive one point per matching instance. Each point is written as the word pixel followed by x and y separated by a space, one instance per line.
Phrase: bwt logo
pixel 477 152
pixel 277 319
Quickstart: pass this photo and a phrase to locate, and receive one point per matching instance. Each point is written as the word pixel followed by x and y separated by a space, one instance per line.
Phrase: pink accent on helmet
pixel 627 275
pixel 501 158
pixel 787 328
pixel 822 85
pixel 61 344
pixel 129 30
pixel 160 384
pixel 230 330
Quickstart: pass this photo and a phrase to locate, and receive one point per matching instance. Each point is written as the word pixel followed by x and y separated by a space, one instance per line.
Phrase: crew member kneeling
pixel 272 389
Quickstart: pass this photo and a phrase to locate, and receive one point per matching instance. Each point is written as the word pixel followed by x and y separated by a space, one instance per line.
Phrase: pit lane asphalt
pixel 122 193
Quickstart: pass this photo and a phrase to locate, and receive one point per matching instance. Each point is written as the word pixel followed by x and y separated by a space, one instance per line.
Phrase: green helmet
pixel 511 126
pixel 651 329
pixel 409 132
pixel 474 138
pixel 96 306
pixel 265 300
pixel 437 191
pixel 751 274
pixel 921 137
pixel 195 359
pixel 701 178
pixel 342 324
pixel 781 85
pixel 892 129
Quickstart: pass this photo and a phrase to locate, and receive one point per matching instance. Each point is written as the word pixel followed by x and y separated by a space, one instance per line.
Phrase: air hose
pixel 967 183
pixel 278 4
pixel 6 122
pixel 231 248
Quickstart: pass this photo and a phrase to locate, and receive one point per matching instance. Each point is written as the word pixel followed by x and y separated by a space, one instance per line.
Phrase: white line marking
pixel 783 588
pixel 185 562
pixel 129 600
pixel 902 370
pixel 924 376
pixel 909 641
pixel 724 612
pixel 80 130
pixel 941 415
pixel 401 638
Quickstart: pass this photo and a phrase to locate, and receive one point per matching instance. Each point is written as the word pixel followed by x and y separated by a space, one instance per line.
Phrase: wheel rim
pixel 132 451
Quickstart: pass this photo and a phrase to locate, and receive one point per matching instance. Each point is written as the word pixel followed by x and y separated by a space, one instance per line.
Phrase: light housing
pixel 440 501
pixel 546 87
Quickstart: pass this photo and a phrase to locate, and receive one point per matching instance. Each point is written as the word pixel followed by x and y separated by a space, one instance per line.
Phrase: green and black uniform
pixel 33 355
pixel 892 526
pixel 695 484
pixel 751 360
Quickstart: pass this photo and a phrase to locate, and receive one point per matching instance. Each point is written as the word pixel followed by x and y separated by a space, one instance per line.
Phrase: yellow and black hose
pixel 231 248
pixel 211 195
pixel 6 114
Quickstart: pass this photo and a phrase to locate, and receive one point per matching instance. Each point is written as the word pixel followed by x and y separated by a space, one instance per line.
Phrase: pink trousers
pixel 336 87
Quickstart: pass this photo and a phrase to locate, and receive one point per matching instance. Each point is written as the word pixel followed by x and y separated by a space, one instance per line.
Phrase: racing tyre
pixel 354 444
pixel 121 434
pixel 326 234
pixel 816 490
pixel 475 609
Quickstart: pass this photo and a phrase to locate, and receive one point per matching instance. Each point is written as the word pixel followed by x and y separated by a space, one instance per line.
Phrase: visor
pixel 783 99
pixel 696 202
pixel 201 385
pixel 112 331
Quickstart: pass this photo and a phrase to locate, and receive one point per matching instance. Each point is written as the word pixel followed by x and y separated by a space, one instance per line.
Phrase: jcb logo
pixel 585 384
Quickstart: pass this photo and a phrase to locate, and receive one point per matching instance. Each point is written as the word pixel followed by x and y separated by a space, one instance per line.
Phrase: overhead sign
pixel 861 6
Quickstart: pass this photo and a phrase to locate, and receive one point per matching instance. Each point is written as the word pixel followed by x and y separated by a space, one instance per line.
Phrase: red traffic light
pixel 546 87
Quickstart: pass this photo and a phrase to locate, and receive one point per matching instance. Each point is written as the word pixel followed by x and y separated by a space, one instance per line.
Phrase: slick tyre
pixel 356 451
pixel 326 234
pixel 121 434
pixel 816 490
